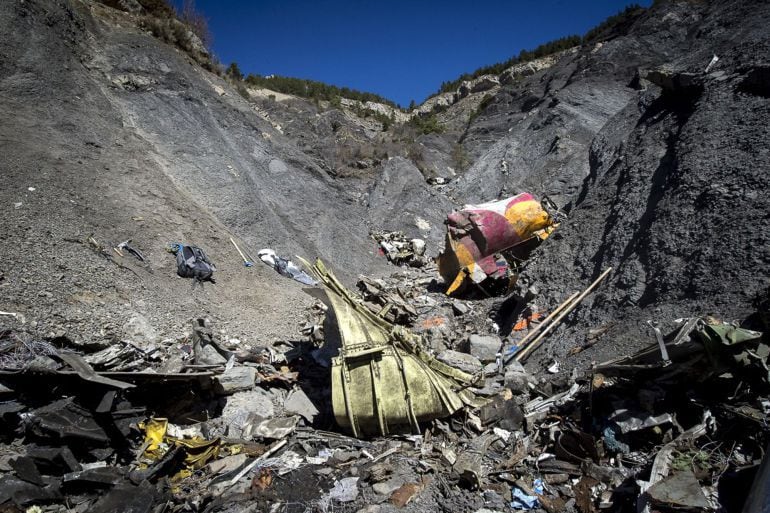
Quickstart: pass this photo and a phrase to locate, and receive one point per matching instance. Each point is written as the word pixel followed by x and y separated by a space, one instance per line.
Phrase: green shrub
pixel 602 30
pixel 313 89
pixel 186 29
pixel 551 47
pixel 195 20
pixel 234 72
pixel 243 91
pixel 483 104
pixel 427 124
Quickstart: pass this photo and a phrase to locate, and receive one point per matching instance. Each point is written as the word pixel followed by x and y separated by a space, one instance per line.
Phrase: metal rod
pixel 536 342
pixel 524 342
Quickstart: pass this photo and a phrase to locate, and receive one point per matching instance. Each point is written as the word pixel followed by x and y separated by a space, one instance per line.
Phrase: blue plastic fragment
pixel 538 487
pixel 612 443
pixel 521 500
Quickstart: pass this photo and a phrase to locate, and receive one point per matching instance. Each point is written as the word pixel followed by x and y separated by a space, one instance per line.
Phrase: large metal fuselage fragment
pixel 383 381
pixel 477 233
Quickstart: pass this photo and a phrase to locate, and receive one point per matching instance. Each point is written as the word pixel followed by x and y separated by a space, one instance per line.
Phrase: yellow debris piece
pixel 383 381
pixel 198 451
pixel 154 433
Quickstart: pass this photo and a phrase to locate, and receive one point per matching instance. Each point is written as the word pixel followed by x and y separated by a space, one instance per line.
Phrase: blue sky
pixel 399 49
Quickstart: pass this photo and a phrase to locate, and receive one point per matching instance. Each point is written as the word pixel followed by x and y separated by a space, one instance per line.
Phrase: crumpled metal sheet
pixel 383 381
pixel 66 420
pixel 629 421
pixel 679 490
pixel 477 232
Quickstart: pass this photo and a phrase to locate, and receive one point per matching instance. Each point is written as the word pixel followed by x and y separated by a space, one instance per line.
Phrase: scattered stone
pixel 298 403
pixel 516 378
pixel 227 464
pixel 371 508
pixel 345 456
pixel 139 330
pixel 459 307
pixel 484 347
pixel 234 380
pixel 462 361
pixel 418 246
pixel 422 224
pixel 389 486
pixel 241 405
pixel 493 500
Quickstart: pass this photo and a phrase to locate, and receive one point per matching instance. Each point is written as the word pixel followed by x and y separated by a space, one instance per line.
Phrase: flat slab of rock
pixel 516 378
pixel 234 380
pixel 462 361
pixel 484 347
pixel 298 403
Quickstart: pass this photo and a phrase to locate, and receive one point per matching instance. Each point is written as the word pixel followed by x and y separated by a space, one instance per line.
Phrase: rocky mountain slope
pixel 674 187
pixel 110 132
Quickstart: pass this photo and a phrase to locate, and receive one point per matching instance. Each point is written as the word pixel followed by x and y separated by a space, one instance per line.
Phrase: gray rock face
pixel 672 177
pixel 389 486
pixel 478 85
pixel 234 380
pixel 154 149
pixel 401 196
pixel 484 347
pixel 659 182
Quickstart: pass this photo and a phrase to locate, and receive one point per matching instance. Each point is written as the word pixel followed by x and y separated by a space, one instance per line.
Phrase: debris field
pixel 204 423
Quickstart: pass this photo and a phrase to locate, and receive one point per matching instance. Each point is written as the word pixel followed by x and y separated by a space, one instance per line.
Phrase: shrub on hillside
pixel 234 72
pixel 313 89
pixel 427 124
pixel 604 30
pixel 187 30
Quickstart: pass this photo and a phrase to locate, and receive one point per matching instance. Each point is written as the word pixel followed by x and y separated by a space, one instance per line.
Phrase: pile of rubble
pixel 401 250
pixel 206 424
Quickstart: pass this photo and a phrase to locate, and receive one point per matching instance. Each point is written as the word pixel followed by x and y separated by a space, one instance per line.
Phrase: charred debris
pixel 403 395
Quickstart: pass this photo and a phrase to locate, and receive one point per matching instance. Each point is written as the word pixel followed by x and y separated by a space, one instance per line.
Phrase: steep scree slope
pixel 123 137
pixel 676 199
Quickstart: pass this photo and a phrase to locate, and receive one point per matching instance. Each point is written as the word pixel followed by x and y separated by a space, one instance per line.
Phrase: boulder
pixel 462 361
pixel 242 406
pixel 234 380
pixel 484 347
pixel 297 402
pixel 517 379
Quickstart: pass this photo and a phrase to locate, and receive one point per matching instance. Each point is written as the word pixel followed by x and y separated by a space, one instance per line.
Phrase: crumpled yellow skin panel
pixel 198 451
pixel 527 217
pixel 383 380
pixel 154 433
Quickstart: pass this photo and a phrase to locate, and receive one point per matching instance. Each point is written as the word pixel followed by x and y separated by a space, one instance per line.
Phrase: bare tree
pixel 197 22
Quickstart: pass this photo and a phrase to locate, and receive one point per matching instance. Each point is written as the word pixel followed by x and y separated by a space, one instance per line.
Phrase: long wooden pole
pixel 245 261
pixel 536 342
pixel 523 343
